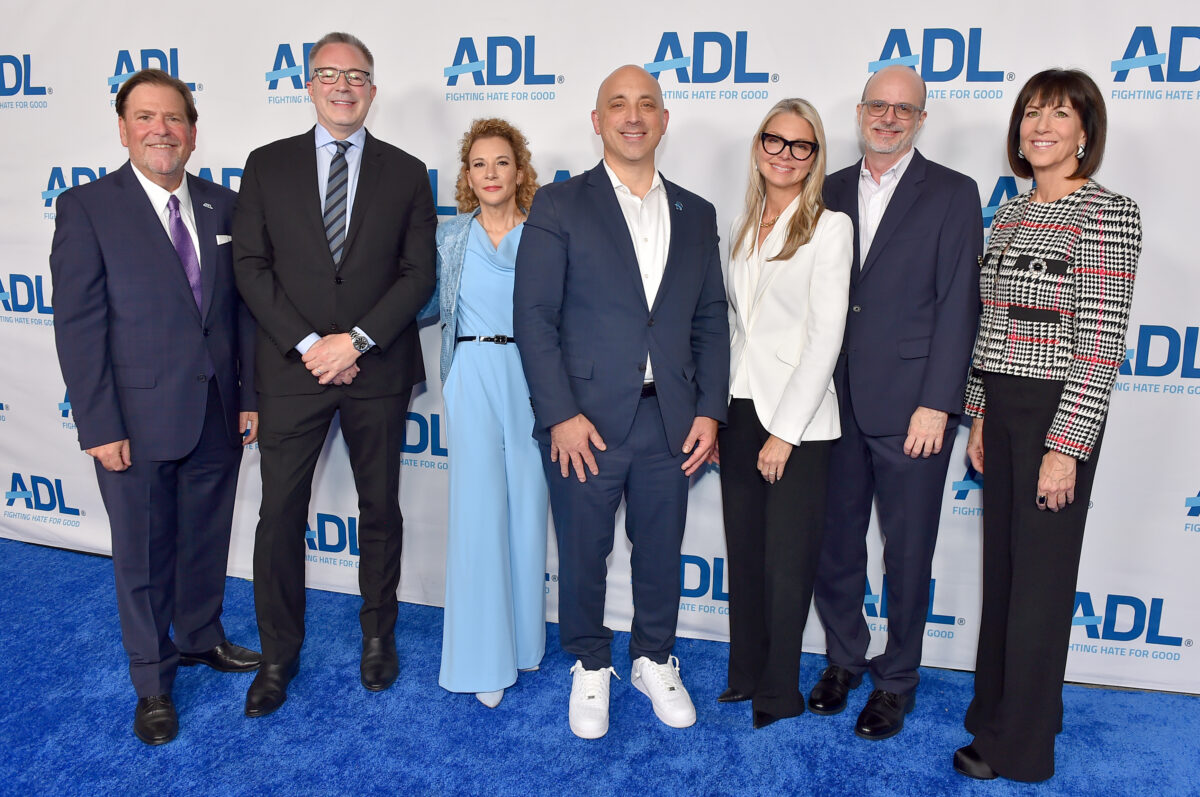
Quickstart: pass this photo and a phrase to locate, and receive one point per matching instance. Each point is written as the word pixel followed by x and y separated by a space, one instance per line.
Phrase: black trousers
pixel 642 469
pixel 1030 565
pixel 773 540
pixel 292 432
pixel 170 543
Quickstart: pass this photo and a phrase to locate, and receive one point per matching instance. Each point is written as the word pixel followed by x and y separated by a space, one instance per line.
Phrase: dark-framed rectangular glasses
pixel 355 77
pixel 801 150
pixel 903 110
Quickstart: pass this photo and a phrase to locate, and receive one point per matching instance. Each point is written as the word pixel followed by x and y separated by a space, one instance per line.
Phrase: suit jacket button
pixel 202 378
pixel 650 323
pixel 206 332
pixel 856 308
pixel 338 280
pixel 333 328
pixel 642 367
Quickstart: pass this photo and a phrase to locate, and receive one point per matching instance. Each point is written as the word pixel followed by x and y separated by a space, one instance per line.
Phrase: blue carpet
pixel 69 709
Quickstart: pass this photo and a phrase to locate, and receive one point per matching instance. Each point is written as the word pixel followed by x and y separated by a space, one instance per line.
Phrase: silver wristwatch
pixel 360 341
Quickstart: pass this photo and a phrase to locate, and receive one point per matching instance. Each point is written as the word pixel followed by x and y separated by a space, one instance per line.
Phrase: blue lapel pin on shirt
pixel 679 206
pixel 210 207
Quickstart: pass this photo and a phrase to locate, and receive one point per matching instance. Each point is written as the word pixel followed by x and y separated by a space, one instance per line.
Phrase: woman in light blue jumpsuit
pixel 495 619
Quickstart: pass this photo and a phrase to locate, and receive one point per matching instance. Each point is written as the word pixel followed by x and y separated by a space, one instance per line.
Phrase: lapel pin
pixel 210 207
pixel 679 206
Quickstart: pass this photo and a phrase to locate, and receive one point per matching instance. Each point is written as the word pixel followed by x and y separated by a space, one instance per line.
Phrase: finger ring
pixel 1041 500
pixel 318 372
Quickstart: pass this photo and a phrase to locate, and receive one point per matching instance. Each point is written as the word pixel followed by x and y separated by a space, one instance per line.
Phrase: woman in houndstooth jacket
pixel 1056 285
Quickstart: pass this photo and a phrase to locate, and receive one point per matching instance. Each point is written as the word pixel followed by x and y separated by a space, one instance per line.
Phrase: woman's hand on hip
pixel 1056 481
pixel 773 457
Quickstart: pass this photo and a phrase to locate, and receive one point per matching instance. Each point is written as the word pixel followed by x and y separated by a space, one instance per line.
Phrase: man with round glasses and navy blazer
pixel 156 351
pixel 334 254
pixel 914 305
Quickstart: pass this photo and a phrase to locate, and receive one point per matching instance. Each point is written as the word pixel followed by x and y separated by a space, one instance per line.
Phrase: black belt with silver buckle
pixel 648 390
pixel 501 339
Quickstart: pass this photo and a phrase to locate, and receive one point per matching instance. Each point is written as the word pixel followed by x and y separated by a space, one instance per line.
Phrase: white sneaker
pixel 588 712
pixel 490 699
pixel 660 683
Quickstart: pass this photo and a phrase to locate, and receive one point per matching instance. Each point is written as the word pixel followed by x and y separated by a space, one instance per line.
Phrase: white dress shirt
pixel 873 199
pixel 649 223
pixel 159 197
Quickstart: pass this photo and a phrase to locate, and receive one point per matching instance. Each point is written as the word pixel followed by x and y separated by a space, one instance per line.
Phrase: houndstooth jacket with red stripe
pixel 1056 284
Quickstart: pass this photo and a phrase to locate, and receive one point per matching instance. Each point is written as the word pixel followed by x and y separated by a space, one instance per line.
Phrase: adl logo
pixel 517 58
pixel 147 59
pixel 875 605
pixel 1105 627
pixel 16 76
pixel 429 435
pixel 1151 360
pixel 287 66
pixel 1142 53
pixel 1006 189
pixel 962 51
pixel 40 493
pixel 25 294
pixel 972 480
pixel 729 56
pixel 333 534
pixel 58 180
pixel 713 578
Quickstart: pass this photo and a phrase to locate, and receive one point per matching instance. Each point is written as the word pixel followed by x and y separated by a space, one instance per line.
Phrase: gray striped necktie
pixel 335 201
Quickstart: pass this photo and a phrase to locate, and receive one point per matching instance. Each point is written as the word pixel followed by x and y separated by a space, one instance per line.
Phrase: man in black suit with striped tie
pixel 334 255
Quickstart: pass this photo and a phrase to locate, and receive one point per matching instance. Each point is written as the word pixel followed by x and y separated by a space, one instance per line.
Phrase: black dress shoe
pixel 967 761
pixel 732 695
pixel 225 657
pixel 268 691
pixel 828 696
pixel 883 716
pixel 380 665
pixel 155 721
pixel 762 719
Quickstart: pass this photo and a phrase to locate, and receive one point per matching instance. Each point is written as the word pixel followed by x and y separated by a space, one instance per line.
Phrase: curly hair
pixel 495 128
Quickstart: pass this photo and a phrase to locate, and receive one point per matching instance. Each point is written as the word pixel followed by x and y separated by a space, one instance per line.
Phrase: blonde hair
pixel 495 128
pixel 804 221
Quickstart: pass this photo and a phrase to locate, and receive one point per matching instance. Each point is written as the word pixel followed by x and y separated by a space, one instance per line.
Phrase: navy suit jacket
pixel 133 347
pixel 584 327
pixel 914 303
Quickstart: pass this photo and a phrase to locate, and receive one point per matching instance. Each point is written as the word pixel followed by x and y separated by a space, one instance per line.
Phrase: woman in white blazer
pixel 788 280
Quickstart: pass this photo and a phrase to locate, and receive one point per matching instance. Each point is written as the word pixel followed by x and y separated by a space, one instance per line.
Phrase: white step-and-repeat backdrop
pixel 721 65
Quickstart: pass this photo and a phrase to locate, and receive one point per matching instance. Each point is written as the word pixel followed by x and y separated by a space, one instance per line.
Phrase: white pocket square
pixel 224 239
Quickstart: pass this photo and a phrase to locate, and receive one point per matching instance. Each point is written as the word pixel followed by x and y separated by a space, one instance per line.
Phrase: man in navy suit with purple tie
pixel 156 350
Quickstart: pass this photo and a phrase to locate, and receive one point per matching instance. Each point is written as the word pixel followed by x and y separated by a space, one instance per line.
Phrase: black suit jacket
pixel 288 278
pixel 914 303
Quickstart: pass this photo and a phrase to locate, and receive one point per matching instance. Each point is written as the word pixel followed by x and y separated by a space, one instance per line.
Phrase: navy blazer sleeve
pixel 81 325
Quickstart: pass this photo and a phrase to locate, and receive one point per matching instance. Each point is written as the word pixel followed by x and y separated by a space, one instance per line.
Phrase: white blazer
pixel 786 327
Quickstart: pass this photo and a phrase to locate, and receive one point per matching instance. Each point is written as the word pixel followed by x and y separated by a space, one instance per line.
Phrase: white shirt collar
pixel 357 138
pixel 159 196
pixel 897 170
pixel 655 185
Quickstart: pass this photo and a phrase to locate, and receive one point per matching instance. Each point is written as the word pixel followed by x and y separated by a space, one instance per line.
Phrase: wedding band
pixel 318 372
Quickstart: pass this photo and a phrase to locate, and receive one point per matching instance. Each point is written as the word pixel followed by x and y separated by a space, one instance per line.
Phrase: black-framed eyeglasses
pixel 801 150
pixel 329 75
pixel 904 110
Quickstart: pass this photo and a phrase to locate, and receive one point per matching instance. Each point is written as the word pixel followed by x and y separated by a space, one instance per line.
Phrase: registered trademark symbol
pixel 775 77
pixel 1187 643
pixel 1011 76
pixel 49 90
pixel 199 87
pixel 83 513
pixel 962 621
pixel 560 79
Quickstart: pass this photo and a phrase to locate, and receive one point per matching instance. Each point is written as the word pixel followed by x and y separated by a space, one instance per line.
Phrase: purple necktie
pixel 185 250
